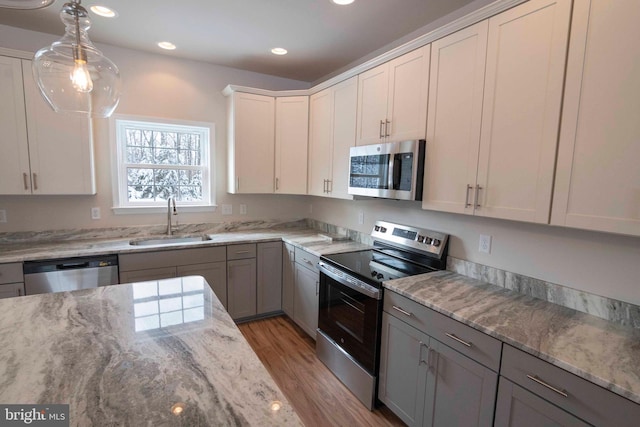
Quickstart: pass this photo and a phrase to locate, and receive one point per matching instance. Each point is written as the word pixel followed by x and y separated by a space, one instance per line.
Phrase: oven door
pixel 351 319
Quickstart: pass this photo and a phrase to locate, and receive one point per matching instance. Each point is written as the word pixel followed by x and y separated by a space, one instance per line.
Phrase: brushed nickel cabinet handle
pixel 466 198
pixel 455 338
pixel 406 313
pixel 35 181
pixel 478 188
pixel 420 359
pixel 277 183
pixel 550 387
pixel 19 292
pixel 241 252
pixel 24 179
pixel 237 183
pixel 387 125
pixel 381 133
pixel 317 287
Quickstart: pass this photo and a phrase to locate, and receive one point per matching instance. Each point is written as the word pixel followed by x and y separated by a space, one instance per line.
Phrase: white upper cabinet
pixel 251 143
pixel 43 152
pixel 292 130
pixel 494 114
pixel 455 114
pixel 598 177
pixel 392 99
pixel 526 55
pixel 332 130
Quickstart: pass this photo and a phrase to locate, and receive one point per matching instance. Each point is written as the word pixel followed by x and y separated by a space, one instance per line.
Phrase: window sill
pixel 137 210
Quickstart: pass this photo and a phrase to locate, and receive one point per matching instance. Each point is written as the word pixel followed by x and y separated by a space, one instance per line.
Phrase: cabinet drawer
pixel 580 397
pixel 472 343
pixel 177 257
pixel 307 259
pixel 11 273
pixel 241 251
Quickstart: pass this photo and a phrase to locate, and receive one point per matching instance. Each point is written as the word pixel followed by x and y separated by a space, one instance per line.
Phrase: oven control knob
pixel 420 238
pixel 383 229
pixel 380 276
pixel 435 242
pixel 377 228
pixel 374 273
pixel 428 240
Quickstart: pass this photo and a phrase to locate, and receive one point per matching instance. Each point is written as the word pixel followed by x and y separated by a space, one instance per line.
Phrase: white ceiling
pixel 320 36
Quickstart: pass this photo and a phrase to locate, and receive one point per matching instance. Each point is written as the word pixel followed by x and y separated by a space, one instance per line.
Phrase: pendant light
pixel 72 74
pixel 25 4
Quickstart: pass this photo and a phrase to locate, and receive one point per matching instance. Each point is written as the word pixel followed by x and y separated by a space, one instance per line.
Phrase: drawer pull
pixel 550 387
pixel 241 252
pixel 406 313
pixel 308 262
pixel 455 338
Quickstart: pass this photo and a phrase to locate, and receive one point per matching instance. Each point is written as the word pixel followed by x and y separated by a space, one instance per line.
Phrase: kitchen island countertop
pixel 597 350
pixel 131 354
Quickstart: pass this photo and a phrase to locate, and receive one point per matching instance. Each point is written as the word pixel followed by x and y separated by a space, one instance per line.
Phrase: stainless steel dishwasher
pixel 70 274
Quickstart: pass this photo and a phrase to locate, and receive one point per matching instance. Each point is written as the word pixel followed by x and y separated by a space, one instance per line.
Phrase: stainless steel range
pixel 350 311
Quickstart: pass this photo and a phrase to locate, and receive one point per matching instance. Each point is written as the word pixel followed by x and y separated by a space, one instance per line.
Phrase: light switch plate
pixel 3 215
pixel 227 209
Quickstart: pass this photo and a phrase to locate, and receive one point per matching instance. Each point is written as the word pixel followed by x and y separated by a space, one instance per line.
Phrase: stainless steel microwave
pixel 393 170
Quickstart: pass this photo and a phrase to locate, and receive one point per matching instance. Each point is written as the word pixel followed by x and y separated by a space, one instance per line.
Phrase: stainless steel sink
pixel 169 240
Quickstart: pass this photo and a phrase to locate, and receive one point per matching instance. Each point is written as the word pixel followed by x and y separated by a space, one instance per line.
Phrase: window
pixel 156 161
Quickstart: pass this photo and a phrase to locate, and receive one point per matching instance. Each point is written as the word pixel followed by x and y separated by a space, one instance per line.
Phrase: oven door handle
pixel 361 287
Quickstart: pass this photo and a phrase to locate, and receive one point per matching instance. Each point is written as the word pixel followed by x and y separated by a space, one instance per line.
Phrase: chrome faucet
pixel 170 200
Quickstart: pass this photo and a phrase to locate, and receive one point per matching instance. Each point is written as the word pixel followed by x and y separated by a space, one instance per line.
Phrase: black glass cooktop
pixel 374 266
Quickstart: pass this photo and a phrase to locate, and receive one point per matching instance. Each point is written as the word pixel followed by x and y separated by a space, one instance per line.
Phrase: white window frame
pixel 121 203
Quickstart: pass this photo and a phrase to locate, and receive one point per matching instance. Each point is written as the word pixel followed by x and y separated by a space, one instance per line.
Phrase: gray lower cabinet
pixel 269 278
pixel 206 262
pixel 241 288
pixel 288 278
pixel 306 289
pixel 427 383
pixel 11 280
pixel 519 407
pixel 532 390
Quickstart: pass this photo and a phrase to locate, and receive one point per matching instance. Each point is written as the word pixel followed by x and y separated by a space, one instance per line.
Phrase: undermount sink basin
pixel 169 240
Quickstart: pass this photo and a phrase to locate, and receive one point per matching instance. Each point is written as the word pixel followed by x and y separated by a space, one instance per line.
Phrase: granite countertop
pixel 87 244
pixel 108 354
pixel 602 352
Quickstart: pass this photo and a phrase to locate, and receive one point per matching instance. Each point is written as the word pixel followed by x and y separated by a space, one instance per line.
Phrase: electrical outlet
pixel 3 215
pixel 360 217
pixel 485 244
pixel 227 209
pixel 310 208
pixel 243 209
pixel 95 213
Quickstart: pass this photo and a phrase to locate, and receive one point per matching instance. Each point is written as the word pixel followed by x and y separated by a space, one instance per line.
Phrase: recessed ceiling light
pixel 104 11
pixel 279 51
pixel 167 45
pixel 342 2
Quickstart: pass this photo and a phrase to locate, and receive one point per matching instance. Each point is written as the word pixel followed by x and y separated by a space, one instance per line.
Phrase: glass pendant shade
pixel 25 4
pixel 72 74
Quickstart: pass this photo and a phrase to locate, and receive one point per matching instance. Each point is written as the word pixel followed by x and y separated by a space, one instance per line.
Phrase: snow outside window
pixel 161 160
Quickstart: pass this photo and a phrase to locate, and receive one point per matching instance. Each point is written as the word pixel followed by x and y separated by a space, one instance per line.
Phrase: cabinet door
pixel 11 290
pixel 241 288
pixel 305 300
pixel 288 278
pixel 292 137
pixel 597 177
pixel 373 90
pixel 60 146
pixel 269 277
pixel 214 273
pixel 320 141
pixel 460 391
pixel 517 407
pixel 15 175
pixel 345 99
pixel 408 94
pixel 251 143
pixel 403 369
pixel 455 114
pixel 526 55
pixel 148 274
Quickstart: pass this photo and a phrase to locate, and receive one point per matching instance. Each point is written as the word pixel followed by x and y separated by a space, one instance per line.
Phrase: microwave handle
pixel 391 172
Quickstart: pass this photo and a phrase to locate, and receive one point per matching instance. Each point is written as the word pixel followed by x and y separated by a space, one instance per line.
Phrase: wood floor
pixel 319 398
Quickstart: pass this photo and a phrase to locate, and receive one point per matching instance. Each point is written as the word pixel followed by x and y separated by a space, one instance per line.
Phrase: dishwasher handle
pixel 72 265
pixel 65 264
